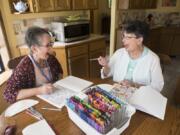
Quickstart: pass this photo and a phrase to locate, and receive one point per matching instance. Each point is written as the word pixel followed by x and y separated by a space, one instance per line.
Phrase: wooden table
pixel 141 123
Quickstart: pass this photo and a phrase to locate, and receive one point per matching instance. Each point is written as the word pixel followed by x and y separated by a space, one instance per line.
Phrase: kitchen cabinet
pixel 78 60
pixel 50 5
pixel 78 66
pixel 175 49
pixel 137 4
pixel 84 4
pixel 43 6
pixel 91 4
pixel 152 4
pixel 94 65
pixel 96 49
pixel 134 4
pixel 57 5
pixel 76 57
pixel 78 4
pixel 62 5
pixel 153 40
pixel 166 39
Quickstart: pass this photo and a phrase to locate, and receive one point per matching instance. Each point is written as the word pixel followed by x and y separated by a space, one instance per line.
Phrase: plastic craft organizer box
pixel 88 129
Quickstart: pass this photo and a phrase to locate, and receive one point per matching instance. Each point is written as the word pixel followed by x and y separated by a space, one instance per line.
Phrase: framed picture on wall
pixel 169 3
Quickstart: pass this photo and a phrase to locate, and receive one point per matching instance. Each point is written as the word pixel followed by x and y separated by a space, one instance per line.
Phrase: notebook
pixel 64 89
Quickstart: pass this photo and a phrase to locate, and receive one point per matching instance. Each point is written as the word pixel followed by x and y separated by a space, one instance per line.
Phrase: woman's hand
pixel 103 61
pixel 128 83
pixel 46 89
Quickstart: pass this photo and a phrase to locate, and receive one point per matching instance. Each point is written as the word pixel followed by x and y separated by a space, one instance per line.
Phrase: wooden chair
pixel 177 92
pixel 164 60
pixel 12 63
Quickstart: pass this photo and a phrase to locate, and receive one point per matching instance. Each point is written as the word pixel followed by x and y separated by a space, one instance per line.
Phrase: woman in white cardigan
pixel 134 65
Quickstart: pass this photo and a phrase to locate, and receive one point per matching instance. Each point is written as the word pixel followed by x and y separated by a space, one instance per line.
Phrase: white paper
pixel 38 128
pixel 74 83
pixel 65 88
pixel 19 106
pixel 58 97
pixel 150 101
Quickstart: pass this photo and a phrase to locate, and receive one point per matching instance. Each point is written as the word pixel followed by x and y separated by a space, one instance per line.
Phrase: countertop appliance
pixel 67 31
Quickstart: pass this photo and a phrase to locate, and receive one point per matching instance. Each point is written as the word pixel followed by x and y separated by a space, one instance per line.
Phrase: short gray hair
pixel 33 34
pixel 137 27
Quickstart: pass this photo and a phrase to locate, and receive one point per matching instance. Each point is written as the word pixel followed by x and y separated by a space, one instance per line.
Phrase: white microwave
pixel 71 31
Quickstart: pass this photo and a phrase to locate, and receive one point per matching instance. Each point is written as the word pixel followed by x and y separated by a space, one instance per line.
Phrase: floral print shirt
pixel 23 77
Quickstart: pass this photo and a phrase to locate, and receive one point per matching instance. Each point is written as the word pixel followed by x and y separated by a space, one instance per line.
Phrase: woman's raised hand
pixel 103 61
pixel 46 88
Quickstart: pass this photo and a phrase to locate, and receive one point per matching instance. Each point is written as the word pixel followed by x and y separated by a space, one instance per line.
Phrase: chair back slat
pixel 12 63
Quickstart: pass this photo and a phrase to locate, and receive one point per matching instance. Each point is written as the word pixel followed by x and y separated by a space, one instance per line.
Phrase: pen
pixel 53 109
pixel 93 59
pixel 34 115
pixel 31 111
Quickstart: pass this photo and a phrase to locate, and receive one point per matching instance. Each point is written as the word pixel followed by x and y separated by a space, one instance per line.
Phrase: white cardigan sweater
pixel 147 71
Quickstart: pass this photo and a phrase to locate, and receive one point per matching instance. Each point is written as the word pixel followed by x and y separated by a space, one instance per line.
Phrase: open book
pixel 64 89
pixel 150 101
pixel 145 99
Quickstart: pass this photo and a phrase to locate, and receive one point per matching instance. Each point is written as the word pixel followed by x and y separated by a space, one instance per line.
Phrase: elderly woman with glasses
pixel 135 65
pixel 37 71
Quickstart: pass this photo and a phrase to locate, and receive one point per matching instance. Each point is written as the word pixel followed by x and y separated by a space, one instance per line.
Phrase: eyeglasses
pixel 50 44
pixel 128 37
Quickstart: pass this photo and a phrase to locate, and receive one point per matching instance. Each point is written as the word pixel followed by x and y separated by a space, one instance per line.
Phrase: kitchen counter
pixel 58 44
pixel 157 27
pixel 92 37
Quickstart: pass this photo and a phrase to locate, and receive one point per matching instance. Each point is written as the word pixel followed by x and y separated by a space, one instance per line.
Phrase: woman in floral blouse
pixel 37 71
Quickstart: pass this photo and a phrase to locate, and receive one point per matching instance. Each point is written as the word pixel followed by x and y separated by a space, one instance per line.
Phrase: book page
pixel 150 101
pixel 74 83
pixel 64 89
pixel 58 97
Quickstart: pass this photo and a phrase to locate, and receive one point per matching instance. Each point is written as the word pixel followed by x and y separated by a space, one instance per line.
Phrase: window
pixel 1 65
pixel 4 55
